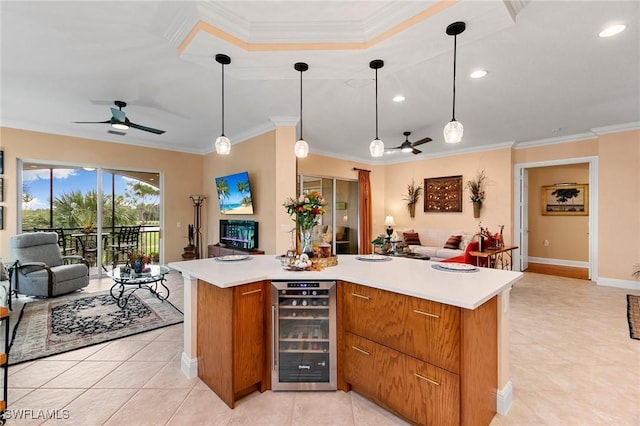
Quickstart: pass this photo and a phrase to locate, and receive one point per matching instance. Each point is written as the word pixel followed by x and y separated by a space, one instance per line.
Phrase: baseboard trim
pixel 558 262
pixel 504 398
pixel 614 282
pixel 189 366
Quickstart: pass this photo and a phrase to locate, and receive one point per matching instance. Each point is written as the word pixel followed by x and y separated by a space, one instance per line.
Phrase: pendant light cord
pixel 376 103
pixel 301 138
pixel 453 113
pixel 222 99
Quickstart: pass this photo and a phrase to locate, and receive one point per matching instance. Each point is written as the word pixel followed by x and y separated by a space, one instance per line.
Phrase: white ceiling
pixel 550 75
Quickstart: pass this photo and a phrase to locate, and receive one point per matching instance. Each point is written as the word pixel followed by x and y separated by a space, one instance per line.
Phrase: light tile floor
pixel 572 363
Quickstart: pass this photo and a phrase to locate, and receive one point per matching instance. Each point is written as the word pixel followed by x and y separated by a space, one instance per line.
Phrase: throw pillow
pixel 453 242
pixel 411 238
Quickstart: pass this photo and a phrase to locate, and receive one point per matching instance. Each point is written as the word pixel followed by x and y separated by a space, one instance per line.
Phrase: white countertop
pixel 411 277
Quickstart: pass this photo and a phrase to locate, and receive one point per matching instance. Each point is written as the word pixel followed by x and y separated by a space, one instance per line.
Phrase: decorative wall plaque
pixel 443 194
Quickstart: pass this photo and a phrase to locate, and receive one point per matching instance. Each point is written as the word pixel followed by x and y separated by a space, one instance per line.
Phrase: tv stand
pixel 216 250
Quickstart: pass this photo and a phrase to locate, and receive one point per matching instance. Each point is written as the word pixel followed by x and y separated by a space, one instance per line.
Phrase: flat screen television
pixel 234 194
pixel 239 233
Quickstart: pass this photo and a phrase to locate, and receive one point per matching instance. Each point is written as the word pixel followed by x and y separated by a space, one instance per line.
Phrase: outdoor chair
pixel 126 240
pixel 40 268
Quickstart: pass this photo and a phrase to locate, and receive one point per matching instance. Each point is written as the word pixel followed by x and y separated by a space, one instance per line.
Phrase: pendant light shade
pixel 223 144
pixel 376 147
pixel 301 147
pixel 453 130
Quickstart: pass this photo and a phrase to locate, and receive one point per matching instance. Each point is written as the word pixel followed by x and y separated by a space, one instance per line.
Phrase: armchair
pixel 41 270
pixel 467 258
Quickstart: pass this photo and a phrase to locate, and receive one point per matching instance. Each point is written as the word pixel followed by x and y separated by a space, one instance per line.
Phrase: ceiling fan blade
pixel 92 122
pixel 416 151
pixel 118 114
pixel 146 129
pixel 421 141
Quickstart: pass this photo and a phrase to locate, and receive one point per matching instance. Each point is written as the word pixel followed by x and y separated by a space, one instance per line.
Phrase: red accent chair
pixel 467 258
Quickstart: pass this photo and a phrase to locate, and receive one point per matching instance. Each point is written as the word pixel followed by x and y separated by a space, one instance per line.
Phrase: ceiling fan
pixel 120 121
pixel 409 146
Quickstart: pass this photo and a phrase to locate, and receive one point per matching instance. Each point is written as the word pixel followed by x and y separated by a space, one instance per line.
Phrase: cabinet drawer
pixel 432 333
pixel 372 313
pixel 420 392
pixel 248 335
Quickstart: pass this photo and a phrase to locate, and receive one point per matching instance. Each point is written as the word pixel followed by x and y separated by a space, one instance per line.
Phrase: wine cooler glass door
pixel 304 336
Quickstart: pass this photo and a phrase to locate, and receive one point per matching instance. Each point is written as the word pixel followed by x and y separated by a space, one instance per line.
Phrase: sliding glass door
pixel 341 220
pixel 87 207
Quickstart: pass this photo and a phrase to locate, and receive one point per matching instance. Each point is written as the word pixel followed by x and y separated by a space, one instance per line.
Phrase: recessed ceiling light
pixel 478 74
pixel 612 30
pixel 398 98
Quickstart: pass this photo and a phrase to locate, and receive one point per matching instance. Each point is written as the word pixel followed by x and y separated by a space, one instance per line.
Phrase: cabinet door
pixel 359 366
pixel 372 313
pixel 248 335
pixel 433 333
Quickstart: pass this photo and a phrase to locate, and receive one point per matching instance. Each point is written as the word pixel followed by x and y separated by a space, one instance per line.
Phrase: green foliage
pixel 223 188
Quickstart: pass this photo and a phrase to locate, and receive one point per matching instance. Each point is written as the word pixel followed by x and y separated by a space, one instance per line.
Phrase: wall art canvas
pixel 443 194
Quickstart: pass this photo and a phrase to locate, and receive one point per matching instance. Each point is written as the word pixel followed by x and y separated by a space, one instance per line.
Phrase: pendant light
pixel 223 144
pixel 453 130
pixel 301 147
pixel 376 147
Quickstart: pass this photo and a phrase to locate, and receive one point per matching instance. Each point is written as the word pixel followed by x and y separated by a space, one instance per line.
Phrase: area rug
pixel 54 326
pixel 633 315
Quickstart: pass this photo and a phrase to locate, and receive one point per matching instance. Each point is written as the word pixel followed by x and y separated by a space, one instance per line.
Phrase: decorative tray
pixel 296 268
pixel 454 267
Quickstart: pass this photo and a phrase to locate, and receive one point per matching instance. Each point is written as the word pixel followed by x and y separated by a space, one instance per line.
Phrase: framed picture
pixel 1 190
pixel 341 205
pixel 565 200
pixel 443 194
pixel 1 162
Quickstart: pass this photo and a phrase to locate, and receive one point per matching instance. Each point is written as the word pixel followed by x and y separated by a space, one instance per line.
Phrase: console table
pixel 501 257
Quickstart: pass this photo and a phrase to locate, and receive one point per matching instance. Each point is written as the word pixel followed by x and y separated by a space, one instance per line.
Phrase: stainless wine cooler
pixel 304 335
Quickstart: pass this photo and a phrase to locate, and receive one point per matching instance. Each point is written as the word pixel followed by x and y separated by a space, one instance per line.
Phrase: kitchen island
pixel 234 334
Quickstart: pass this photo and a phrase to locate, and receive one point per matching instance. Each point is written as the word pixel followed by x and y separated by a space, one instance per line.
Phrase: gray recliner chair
pixel 41 269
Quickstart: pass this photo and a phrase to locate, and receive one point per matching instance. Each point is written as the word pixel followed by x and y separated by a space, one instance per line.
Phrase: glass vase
pixel 306 243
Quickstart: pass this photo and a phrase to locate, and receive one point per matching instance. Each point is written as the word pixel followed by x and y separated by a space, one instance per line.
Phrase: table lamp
pixel 389 222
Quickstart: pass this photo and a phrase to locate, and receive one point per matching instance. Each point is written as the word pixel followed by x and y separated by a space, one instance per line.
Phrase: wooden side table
pixel 497 258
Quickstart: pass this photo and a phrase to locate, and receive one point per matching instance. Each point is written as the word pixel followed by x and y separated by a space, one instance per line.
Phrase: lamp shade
pixel 389 221
pixel 223 145
pixel 453 132
pixel 376 148
pixel 301 148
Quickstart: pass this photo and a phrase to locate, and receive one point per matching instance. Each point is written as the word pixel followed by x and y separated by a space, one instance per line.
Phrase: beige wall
pixel 270 161
pixel 496 208
pixel 181 176
pixel 568 236
pixel 618 198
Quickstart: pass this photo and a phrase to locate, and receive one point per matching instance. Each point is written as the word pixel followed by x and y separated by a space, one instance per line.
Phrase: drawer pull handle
pixel 360 296
pixel 426 313
pixel 251 292
pixel 362 351
pixel 420 376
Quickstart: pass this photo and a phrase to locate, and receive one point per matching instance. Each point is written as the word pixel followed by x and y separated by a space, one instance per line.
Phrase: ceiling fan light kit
pixel 301 147
pixel 376 147
pixel 223 144
pixel 453 130
pixel 120 121
pixel 407 146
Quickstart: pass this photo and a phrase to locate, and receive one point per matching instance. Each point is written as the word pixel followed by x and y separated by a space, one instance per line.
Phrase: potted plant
pixel 413 193
pixel 476 186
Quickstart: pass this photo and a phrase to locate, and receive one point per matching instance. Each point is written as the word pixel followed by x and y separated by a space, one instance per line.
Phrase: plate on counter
pixel 232 257
pixel 460 267
pixel 373 258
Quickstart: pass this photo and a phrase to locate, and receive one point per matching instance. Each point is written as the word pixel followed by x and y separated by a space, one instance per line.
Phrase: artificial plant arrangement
pixel 476 187
pixel 413 194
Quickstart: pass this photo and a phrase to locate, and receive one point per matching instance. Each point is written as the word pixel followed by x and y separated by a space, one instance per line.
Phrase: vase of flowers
pixel 306 211
pixel 413 194
pixel 476 187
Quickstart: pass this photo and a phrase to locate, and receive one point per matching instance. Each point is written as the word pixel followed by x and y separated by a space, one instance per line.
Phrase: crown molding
pixel 617 128
pixel 423 156
pixel 555 141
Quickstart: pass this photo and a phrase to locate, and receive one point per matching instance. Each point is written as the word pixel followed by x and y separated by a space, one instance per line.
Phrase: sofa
pixel 435 243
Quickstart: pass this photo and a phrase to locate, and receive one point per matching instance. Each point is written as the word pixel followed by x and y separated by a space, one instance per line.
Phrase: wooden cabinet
pixel 216 250
pixel 430 362
pixel 232 339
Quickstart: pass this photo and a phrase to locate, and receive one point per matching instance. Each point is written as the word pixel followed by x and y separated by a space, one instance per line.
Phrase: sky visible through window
pixel 36 184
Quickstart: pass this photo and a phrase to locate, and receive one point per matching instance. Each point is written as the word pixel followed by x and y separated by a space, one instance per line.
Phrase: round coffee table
pixel 127 284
